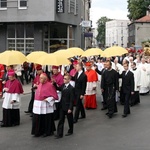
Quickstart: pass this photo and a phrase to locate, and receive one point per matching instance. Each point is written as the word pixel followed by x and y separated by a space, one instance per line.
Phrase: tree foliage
pixel 101 29
pixel 137 8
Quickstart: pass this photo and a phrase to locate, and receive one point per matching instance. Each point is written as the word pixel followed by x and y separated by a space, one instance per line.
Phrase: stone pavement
pixel 27 88
pixel 96 132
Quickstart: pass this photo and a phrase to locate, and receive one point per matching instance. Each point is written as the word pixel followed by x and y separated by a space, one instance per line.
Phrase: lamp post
pixel 122 34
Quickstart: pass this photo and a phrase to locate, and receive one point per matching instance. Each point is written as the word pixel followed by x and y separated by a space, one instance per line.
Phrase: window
pixel 3 4
pixel 73 7
pixel 20 37
pixel 57 36
pixel 22 4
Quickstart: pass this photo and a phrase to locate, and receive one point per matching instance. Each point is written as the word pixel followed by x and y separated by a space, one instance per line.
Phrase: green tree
pixel 101 29
pixel 137 8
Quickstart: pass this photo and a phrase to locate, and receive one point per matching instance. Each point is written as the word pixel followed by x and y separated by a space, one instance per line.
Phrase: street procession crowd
pixel 60 91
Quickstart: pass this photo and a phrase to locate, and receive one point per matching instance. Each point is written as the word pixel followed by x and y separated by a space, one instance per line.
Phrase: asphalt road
pixel 96 132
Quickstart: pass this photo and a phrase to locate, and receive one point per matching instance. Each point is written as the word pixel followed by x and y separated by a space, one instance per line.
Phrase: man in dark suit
pixel 127 87
pixel 66 107
pixel 80 87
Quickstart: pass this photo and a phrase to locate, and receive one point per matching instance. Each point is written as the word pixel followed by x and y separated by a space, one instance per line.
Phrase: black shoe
pixel 68 134
pixel 75 121
pixel 58 137
pixel 82 117
pixel 124 115
pixel 31 115
pixel 104 108
pixel 107 113
pixel 45 135
pixel 2 125
pixel 37 135
pixel 27 112
pixel 110 115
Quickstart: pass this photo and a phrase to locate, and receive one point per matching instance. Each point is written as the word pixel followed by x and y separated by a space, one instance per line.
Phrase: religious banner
pixel 60 6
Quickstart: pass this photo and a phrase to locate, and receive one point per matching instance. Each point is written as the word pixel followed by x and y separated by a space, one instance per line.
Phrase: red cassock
pixel 90 97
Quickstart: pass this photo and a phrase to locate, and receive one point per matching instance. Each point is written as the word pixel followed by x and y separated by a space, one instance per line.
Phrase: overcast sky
pixel 113 9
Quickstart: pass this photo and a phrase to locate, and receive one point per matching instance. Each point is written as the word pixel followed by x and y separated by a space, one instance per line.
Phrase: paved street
pixel 93 133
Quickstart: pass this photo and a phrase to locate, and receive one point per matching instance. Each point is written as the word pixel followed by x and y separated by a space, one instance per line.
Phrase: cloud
pixel 113 9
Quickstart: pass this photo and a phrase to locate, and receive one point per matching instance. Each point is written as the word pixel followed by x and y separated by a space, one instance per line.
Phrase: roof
pixel 144 19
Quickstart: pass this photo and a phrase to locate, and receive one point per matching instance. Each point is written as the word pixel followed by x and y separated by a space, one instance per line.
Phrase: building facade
pixel 48 25
pixel 139 30
pixel 117 33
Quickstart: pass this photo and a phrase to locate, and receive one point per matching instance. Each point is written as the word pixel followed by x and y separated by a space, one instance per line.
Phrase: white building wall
pixel 117 33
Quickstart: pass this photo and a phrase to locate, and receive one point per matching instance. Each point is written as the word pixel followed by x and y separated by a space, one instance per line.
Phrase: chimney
pixel 148 11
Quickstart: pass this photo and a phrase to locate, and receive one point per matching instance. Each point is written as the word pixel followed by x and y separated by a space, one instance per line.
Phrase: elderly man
pixel 11 102
pixel 43 108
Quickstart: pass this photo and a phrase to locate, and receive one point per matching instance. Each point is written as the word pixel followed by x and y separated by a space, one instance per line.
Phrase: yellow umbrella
pixel 92 52
pixel 52 59
pixel 12 58
pixel 76 51
pixel 114 51
pixel 64 53
pixel 33 56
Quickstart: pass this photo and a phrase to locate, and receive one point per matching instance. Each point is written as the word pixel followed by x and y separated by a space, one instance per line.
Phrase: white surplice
pixel 144 78
pixel 137 79
pixel 8 97
pixel 44 107
pixel 89 88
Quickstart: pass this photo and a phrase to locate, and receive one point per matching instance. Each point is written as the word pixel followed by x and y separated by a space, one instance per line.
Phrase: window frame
pixel 3 8
pixel 20 7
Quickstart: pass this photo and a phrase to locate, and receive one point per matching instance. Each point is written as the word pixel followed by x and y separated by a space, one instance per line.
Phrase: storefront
pixel 55 36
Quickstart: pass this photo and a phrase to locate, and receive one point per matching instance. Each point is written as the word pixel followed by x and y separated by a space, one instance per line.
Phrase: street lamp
pixel 122 34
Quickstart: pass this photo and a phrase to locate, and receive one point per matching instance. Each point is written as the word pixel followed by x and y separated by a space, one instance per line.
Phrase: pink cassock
pixel 73 72
pixel 36 80
pixel 44 91
pixel 14 86
pixel 59 79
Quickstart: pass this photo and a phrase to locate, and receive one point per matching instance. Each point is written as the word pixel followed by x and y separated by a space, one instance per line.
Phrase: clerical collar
pixel 66 85
pixel 109 69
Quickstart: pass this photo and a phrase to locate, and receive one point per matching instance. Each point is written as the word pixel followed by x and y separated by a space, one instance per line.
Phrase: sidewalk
pixel 27 88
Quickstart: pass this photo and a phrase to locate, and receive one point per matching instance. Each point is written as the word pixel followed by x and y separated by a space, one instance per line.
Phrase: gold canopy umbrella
pixel 92 52
pixel 114 51
pixel 33 56
pixel 52 59
pixel 64 53
pixel 11 57
pixel 76 51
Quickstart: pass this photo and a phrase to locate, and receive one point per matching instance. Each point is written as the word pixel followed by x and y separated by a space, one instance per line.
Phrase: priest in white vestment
pixel 144 68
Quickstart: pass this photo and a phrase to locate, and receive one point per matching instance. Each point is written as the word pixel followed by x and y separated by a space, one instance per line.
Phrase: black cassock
pixel 110 84
pixel 11 117
pixel 43 124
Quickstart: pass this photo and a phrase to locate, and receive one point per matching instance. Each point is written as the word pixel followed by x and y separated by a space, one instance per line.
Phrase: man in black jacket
pixel 127 87
pixel 110 85
pixel 80 87
pixel 66 107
